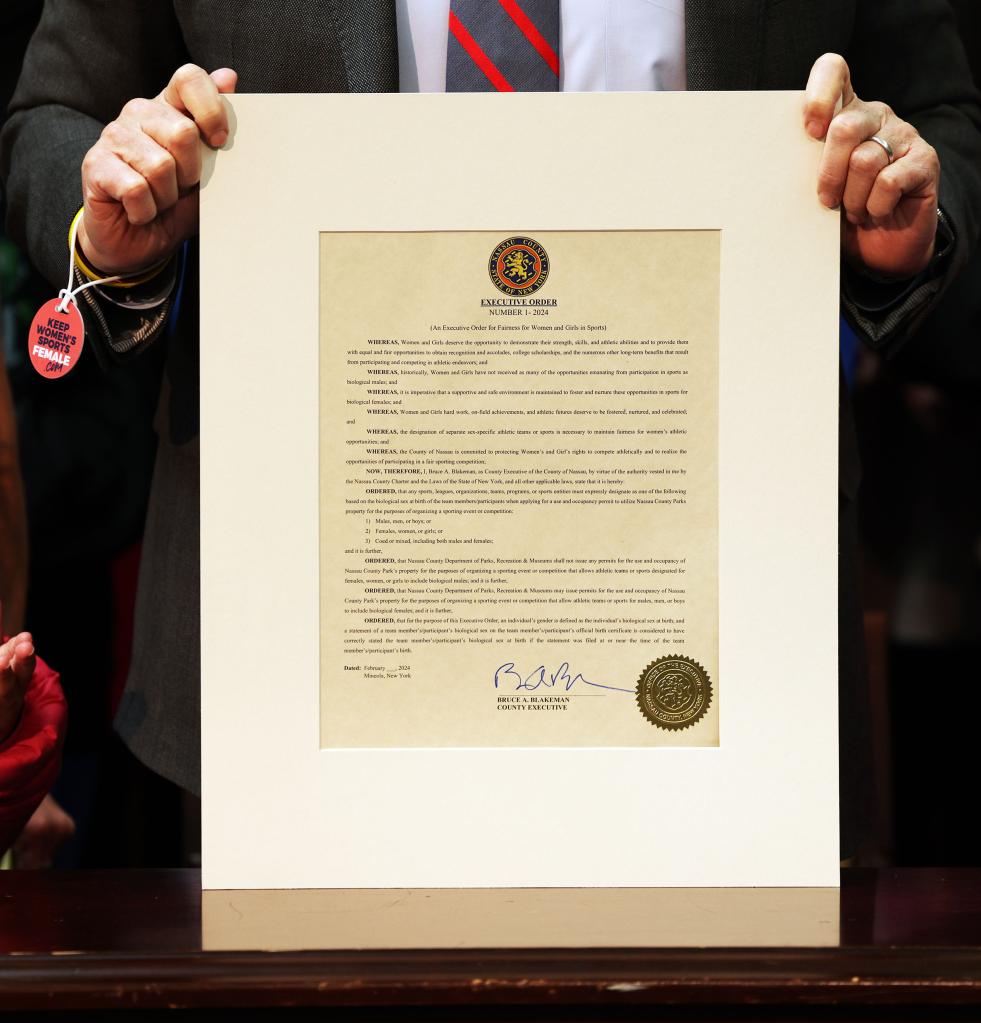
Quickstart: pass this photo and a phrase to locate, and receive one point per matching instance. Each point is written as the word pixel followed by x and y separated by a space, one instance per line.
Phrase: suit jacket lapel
pixel 722 43
pixel 368 36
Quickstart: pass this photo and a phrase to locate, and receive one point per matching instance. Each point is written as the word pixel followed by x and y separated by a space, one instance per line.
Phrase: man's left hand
pixel 890 208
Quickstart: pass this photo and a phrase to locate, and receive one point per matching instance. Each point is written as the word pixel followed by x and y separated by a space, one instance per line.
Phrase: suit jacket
pixel 88 58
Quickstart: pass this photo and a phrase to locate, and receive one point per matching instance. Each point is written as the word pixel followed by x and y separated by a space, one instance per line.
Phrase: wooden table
pixel 73 944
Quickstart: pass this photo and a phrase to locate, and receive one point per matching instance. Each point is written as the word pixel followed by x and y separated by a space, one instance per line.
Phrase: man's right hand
pixel 139 181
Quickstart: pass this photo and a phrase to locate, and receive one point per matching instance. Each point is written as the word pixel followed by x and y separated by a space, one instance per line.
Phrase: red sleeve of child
pixel 30 757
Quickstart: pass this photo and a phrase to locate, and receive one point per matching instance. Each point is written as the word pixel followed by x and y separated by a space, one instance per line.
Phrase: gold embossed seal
pixel 674 692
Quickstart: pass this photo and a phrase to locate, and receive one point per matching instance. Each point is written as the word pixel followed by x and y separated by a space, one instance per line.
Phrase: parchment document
pixel 519 489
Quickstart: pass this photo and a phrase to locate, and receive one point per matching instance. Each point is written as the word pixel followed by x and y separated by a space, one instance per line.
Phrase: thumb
pixel 24 661
pixel 225 78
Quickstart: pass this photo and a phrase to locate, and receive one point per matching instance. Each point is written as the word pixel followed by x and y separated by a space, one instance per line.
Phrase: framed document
pixel 519 494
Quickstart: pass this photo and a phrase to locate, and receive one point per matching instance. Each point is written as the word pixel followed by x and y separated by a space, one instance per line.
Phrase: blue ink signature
pixel 540 677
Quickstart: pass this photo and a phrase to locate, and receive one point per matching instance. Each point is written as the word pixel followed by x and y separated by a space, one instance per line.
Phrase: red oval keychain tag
pixel 56 339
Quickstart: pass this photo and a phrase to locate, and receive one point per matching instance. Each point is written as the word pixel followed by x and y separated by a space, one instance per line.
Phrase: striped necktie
pixel 503 45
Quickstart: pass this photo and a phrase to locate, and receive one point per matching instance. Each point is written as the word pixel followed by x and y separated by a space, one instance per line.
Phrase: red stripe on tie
pixel 477 55
pixel 532 34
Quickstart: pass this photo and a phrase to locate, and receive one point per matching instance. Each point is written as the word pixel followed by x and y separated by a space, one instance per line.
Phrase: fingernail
pixel 219 139
pixel 813 129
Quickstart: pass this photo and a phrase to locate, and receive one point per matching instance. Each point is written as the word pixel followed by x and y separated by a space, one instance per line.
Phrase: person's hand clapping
pixel 890 206
pixel 17 663
pixel 139 181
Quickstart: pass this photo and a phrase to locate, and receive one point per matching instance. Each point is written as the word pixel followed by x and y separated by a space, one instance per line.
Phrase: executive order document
pixel 519 489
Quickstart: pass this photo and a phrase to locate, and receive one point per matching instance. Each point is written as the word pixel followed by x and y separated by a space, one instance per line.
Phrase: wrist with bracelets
pixel 131 280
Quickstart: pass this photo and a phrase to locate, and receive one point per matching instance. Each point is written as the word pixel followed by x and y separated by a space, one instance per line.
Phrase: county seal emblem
pixel 674 692
pixel 519 266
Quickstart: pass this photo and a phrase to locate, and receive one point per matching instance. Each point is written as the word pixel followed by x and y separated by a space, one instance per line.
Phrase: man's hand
pixel 139 181
pixel 17 664
pixel 890 209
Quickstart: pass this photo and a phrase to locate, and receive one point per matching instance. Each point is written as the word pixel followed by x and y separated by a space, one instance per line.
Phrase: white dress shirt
pixel 607 45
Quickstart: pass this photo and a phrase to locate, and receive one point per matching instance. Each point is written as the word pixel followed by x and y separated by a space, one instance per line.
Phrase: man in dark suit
pixel 75 109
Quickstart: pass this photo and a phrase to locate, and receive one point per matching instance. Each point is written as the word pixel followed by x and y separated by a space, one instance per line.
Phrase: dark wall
pixel 18 19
